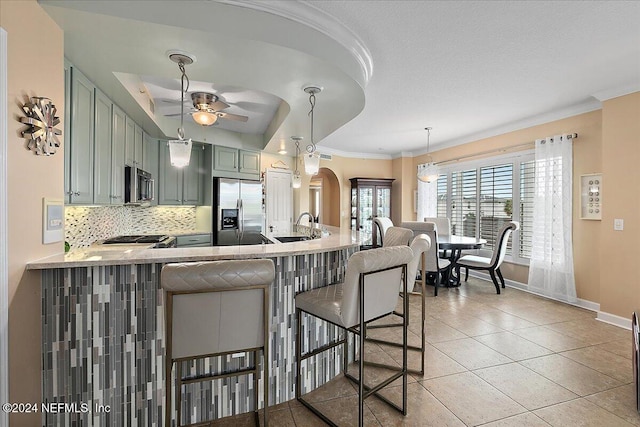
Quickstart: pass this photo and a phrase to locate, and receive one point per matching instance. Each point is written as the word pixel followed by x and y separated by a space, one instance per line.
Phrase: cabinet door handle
pixel 76 193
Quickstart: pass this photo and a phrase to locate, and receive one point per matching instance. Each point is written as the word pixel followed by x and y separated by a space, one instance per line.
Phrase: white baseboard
pixel 582 303
pixel 614 320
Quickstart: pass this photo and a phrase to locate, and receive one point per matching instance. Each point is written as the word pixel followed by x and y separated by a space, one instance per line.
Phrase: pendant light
pixel 180 149
pixel 296 179
pixel 428 172
pixel 312 158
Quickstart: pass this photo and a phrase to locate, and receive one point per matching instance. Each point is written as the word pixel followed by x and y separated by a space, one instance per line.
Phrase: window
pixel 481 196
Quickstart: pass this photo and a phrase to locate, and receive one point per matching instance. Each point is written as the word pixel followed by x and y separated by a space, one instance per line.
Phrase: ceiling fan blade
pixel 218 105
pixel 229 116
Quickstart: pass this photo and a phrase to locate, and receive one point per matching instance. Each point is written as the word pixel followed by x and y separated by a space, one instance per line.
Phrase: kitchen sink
pixel 288 239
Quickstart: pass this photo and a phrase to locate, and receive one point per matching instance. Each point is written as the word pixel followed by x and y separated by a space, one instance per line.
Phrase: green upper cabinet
pixel 249 162
pixel 234 163
pixel 225 159
pixel 102 171
pixel 80 190
pixel 192 190
pixel 133 143
pixel 138 138
pixel 119 120
pixel 67 131
pixel 150 162
pixel 182 186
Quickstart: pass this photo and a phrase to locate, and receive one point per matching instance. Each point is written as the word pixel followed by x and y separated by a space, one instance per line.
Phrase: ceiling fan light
pixel 428 172
pixel 204 118
pixel 296 180
pixel 179 152
pixel 311 163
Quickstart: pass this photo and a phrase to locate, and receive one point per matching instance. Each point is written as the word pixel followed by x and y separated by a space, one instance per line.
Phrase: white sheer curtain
pixel 427 200
pixel 551 266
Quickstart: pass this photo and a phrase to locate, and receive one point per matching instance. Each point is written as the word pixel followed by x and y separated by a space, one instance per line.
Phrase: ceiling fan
pixel 207 109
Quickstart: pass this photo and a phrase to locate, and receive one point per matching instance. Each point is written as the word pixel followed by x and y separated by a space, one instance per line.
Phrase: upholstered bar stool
pixel 213 309
pixel 443 227
pixel 419 245
pixel 397 236
pixel 382 224
pixel 364 296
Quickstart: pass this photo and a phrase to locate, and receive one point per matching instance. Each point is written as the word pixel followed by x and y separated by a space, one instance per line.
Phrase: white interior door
pixel 279 201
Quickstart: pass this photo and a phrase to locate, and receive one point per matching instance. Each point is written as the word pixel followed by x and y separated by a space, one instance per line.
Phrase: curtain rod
pixel 496 150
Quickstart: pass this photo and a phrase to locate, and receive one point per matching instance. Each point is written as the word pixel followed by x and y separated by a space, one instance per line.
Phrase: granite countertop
pixel 131 254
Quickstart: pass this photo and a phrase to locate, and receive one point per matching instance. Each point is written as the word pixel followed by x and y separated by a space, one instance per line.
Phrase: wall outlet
pixel 618 224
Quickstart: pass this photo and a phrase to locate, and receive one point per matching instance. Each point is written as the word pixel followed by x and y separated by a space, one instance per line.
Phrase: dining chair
pixel 443 227
pixel 397 236
pixel 365 295
pixel 216 308
pixel 435 268
pixel 492 265
pixel 382 224
pixel 419 245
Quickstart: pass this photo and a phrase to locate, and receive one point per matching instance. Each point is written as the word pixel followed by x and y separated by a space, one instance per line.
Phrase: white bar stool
pixel 369 292
pixel 212 309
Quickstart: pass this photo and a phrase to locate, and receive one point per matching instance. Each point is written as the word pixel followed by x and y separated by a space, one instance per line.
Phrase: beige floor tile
pixel 526 387
pixel 337 387
pixel 552 340
pixel 590 331
pixel 343 411
pixel 438 331
pixel 522 420
pixel 471 354
pixel 281 418
pixel 504 320
pixel 579 412
pixel 436 363
pixel 603 361
pixel 375 375
pixel 571 375
pixel 242 420
pixel 472 399
pixel 620 347
pixel 422 409
pixel 471 326
pixel 513 346
pixel 620 401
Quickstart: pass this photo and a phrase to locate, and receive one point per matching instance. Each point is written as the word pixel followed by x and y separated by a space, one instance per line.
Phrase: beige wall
pixel 587 159
pixel 619 283
pixel 330 197
pixel 35 68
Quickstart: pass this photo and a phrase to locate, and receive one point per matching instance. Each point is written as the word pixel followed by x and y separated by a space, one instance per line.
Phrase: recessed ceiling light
pixel 282 151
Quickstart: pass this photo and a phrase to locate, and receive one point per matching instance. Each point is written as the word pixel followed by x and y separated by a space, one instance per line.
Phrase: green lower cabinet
pixel 182 186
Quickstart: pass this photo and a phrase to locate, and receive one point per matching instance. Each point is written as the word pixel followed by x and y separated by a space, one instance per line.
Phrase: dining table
pixel 452 246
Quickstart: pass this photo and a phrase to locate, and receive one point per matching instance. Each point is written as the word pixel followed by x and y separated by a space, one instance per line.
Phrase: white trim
pixel 350 154
pixel 582 303
pixel 4 254
pixel 614 320
pixel 584 107
pixel 309 15
pixel 605 95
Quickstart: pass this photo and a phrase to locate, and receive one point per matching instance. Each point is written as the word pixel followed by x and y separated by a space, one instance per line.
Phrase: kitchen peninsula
pixel 103 329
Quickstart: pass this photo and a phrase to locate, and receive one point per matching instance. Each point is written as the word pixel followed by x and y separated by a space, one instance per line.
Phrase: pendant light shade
pixel 311 163
pixel 180 152
pixel 428 172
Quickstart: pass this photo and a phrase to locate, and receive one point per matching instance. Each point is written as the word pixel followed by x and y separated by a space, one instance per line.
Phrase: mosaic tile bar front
pixel 103 345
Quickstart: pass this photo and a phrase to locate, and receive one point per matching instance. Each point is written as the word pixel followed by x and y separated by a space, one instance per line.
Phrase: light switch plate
pixel 52 220
pixel 618 224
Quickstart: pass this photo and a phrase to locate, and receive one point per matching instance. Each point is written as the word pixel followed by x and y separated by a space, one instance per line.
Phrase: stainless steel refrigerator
pixel 238 216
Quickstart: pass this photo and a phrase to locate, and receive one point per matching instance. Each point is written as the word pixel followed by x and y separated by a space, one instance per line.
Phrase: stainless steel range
pixel 160 240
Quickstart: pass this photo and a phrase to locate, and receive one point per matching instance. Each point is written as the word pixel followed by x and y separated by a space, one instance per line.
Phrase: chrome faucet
pixel 310 221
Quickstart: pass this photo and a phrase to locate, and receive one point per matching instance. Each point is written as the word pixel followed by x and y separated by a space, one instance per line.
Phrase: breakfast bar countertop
pixel 338 238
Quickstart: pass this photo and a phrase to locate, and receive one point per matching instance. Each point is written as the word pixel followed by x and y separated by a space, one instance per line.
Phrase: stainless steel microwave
pixel 139 186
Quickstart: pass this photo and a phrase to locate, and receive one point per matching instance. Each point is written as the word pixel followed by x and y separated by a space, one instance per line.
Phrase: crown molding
pixel 354 155
pixel 574 110
pixel 605 95
pixel 312 17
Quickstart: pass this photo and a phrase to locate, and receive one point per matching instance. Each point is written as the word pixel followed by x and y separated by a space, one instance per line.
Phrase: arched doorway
pixel 324 197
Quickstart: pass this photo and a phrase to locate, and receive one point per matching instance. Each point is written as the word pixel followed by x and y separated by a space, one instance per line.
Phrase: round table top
pixel 460 242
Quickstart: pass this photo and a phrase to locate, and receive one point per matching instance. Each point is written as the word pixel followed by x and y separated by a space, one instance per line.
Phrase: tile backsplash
pixel 85 225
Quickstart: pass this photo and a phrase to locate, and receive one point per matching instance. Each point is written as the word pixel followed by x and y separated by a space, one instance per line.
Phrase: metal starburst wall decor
pixel 41 119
